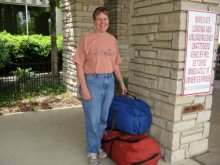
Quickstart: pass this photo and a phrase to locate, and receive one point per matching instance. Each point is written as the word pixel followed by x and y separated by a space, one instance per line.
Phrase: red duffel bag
pixel 126 149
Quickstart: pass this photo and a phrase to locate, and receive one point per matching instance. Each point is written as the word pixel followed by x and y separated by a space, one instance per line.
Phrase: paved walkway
pixel 57 137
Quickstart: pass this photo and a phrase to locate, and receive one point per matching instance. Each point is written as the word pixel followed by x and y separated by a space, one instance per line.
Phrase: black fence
pixel 21 77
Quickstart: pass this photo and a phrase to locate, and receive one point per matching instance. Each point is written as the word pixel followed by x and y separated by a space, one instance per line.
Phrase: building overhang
pixel 36 3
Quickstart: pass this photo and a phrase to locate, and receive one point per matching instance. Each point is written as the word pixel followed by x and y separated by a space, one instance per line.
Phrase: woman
pixel 96 59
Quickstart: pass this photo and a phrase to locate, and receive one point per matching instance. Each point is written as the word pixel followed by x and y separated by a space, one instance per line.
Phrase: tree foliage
pixel 58 5
pixel 31 27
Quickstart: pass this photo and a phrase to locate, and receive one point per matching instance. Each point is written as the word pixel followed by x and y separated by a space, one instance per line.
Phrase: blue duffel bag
pixel 131 116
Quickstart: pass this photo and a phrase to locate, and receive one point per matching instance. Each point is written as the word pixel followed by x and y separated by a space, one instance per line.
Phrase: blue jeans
pixel 101 88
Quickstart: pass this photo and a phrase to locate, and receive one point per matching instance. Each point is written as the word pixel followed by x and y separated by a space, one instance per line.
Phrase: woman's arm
pixel 85 91
pixel 117 73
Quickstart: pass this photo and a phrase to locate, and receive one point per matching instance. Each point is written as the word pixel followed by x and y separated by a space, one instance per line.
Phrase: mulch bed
pixel 41 103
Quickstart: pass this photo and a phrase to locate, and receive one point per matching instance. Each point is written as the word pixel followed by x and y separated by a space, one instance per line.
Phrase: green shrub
pixel 24 73
pixel 117 84
pixel 31 47
pixel 125 81
pixel 4 55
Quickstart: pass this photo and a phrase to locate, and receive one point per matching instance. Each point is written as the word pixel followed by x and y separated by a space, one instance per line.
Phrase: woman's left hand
pixel 117 73
pixel 123 88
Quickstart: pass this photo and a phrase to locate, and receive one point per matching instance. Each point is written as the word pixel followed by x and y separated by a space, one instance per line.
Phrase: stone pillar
pixel 119 27
pixel 77 20
pixel 158 31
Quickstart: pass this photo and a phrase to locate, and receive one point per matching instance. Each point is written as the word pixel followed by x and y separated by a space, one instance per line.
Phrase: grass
pixel 29 90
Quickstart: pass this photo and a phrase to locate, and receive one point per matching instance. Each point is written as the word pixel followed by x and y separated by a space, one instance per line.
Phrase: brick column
pixel 157 52
pixel 77 20
pixel 119 27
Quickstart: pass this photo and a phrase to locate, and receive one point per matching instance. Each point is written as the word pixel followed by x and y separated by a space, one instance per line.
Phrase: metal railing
pixel 20 77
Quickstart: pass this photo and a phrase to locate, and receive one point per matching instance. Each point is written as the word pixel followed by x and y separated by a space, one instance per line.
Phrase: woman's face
pixel 101 23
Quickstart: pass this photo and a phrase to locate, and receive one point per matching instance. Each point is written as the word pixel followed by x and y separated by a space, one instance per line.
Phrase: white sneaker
pixel 101 153
pixel 93 159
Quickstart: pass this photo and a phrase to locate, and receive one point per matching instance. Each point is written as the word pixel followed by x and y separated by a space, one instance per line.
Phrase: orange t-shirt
pixel 98 54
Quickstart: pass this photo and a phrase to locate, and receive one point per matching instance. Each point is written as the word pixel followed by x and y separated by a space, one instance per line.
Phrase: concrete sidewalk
pixel 57 137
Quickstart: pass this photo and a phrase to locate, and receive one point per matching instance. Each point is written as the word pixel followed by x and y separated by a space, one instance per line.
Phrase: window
pixel 13 19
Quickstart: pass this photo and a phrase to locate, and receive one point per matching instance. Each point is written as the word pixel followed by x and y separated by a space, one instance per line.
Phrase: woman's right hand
pixel 85 91
pixel 86 94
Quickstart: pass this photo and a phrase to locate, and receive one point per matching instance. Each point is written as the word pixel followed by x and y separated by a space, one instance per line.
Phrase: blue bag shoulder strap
pixel 114 120
pixel 114 124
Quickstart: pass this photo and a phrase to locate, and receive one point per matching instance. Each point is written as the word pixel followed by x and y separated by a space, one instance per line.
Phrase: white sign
pixel 200 46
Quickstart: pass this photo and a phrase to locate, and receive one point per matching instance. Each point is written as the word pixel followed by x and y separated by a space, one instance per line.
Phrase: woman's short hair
pixel 98 10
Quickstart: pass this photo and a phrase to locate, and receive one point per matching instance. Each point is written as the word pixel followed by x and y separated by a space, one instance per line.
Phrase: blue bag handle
pixel 129 95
